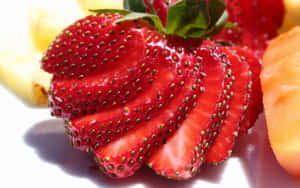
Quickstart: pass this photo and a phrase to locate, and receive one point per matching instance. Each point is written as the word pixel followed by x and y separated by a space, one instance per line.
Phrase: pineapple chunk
pixel 22 74
pixel 45 24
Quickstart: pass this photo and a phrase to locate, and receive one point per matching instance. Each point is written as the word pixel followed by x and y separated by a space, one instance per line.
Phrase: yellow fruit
pixel 46 23
pixel 100 4
pixel 280 80
pixel 292 16
pixel 22 74
pixel 292 10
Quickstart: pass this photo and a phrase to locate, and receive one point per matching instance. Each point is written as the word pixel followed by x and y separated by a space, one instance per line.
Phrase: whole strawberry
pixel 136 90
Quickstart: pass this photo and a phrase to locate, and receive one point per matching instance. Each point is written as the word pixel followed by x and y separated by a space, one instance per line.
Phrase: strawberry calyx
pixel 186 18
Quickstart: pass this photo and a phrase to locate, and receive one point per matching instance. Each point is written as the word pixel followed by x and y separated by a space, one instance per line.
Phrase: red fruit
pixel 72 98
pixel 125 89
pixel 255 104
pixel 121 57
pixel 92 131
pixel 185 151
pixel 241 74
pixel 257 22
pixel 94 44
pixel 125 155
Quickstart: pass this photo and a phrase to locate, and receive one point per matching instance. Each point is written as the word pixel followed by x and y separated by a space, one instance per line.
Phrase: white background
pixel 35 152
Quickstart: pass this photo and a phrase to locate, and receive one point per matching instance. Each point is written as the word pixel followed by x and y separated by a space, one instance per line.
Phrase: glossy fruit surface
pixel 281 92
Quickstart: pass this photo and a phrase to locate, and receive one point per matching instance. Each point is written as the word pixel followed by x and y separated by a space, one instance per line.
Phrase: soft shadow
pixel 247 150
pixel 52 145
pixel 259 162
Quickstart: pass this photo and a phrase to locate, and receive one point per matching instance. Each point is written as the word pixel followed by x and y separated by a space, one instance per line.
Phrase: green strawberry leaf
pixel 216 10
pixel 151 7
pixel 187 15
pixel 134 5
pixel 186 18
pixel 230 25
pixel 196 18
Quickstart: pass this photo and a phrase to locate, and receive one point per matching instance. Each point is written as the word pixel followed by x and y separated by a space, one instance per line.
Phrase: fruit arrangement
pixel 171 88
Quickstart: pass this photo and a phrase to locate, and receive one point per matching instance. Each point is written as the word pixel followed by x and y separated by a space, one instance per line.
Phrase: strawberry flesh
pixel 255 104
pixel 185 151
pixel 101 128
pixel 72 98
pixel 223 145
pixel 125 155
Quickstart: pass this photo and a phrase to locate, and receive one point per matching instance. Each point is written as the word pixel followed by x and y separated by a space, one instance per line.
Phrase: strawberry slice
pixel 95 44
pixel 72 98
pixel 92 131
pixel 125 155
pixel 185 151
pixel 222 147
pixel 255 104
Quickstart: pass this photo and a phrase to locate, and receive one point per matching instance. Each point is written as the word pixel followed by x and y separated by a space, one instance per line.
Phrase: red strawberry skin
pixel 130 151
pixel 125 155
pixel 257 22
pixel 241 74
pixel 72 98
pixel 91 131
pixel 101 128
pixel 184 152
pixel 123 57
pixel 255 104
pixel 89 45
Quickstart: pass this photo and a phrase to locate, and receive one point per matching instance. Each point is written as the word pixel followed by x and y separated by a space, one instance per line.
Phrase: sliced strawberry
pixel 72 98
pixel 92 131
pixel 185 151
pixel 241 74
pixel 122 67
pixel 255 105
pixel 125 155
pixel 103 127
pixel 95 44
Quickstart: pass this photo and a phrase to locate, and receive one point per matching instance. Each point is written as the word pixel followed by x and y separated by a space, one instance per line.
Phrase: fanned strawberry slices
pixel 134 89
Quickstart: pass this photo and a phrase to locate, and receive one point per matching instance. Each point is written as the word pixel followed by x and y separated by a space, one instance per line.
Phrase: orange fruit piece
pixel 280 80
